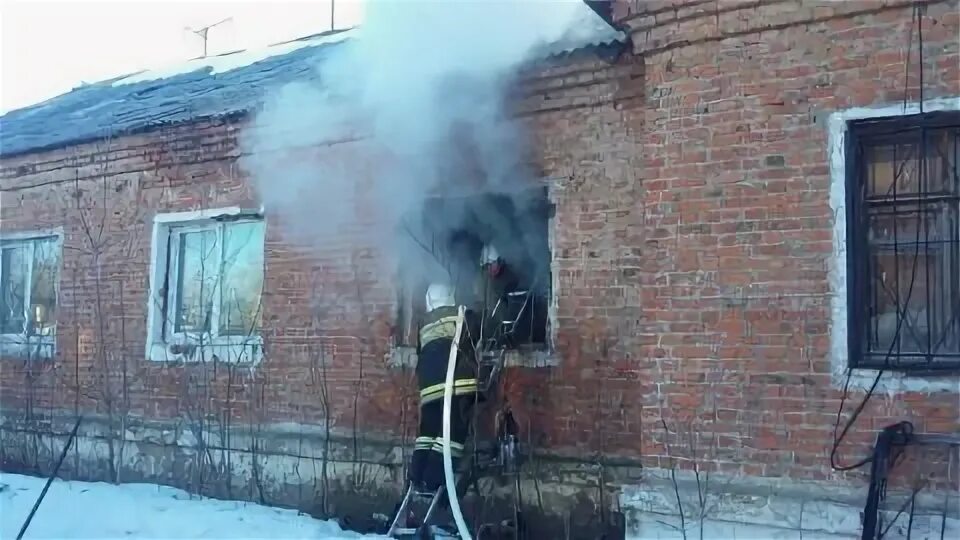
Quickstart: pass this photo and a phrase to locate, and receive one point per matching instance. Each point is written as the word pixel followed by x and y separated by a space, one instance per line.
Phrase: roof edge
pixel 608 51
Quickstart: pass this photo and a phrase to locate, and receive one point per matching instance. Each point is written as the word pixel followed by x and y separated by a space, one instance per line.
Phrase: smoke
pixel 411 104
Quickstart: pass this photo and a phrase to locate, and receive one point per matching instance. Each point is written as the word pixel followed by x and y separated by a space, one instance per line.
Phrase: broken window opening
pixel 449 238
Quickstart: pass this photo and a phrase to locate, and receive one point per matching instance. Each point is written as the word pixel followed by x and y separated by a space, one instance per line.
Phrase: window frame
pixel 164 343
pixel 532 354
pixel 859 252
pixel 24 344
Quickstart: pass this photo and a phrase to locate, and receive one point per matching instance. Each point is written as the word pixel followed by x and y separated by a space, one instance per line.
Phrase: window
pixel 29 273
pixel 447 236
pixel 210 273
pixel 903 230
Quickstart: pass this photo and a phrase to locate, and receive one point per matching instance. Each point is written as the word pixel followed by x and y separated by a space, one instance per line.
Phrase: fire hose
pixel 447 411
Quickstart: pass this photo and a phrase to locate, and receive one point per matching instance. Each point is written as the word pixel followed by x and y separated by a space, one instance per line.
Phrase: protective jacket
pixel 436 338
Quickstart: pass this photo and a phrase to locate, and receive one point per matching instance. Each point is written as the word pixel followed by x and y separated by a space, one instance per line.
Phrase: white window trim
pixel 551 358
pixel 21 345
pixel 186 347
pixel 892 382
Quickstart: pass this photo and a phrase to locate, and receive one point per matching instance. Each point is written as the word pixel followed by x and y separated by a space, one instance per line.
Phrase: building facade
pixel 753 227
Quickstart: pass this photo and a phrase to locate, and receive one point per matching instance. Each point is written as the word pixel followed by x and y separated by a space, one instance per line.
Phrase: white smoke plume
pixel 418 92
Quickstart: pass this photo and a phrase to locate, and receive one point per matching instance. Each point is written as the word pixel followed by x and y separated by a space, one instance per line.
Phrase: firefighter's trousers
pixel 426 466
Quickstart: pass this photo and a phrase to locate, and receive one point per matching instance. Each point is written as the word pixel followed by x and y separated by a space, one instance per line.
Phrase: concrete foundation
pixel 358 481
pixel 750 507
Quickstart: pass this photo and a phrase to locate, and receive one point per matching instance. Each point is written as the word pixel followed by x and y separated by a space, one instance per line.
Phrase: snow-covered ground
pixel 106 511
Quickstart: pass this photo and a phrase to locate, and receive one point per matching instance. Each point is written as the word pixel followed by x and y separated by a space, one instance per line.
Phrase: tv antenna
pixel 204 31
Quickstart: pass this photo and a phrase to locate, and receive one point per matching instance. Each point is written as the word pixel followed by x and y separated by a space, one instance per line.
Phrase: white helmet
pixel 440 295
pixel 489 254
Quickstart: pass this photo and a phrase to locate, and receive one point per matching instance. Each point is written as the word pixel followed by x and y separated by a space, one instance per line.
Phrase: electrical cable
pixel 887 453
pixel 916 11
pixel 846 428
pixel 900 319
pixel 889 449
pixel 911 502
pixel 894 342
pixel 53 476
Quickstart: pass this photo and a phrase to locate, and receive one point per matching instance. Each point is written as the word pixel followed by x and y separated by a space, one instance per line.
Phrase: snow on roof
pixel 229 61
pixel 588 29
pixel 209 88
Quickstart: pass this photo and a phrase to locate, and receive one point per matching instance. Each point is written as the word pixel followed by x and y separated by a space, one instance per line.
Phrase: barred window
pixel 903 230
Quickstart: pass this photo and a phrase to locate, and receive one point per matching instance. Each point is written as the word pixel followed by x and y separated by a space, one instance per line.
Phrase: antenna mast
pixel 204 31
pixel 333 6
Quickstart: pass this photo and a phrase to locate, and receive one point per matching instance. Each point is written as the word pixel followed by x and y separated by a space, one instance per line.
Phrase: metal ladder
pixel 504 452
pixel 400 528
pixel 492 364
pixel 427 528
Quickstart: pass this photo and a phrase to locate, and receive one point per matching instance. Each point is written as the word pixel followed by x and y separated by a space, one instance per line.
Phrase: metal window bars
pixel 903 230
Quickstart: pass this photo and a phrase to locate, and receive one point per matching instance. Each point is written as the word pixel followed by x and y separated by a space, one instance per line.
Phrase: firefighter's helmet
pixel 489 255
pixel 440 295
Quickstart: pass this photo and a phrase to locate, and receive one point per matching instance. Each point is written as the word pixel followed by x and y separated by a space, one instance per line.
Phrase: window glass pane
pixel 901 161
pixel 916 281
pixel 903 226
pixel 900 284
pixel 43 292
pixel 942 149
pixel 13 288
pixel 242 278
pixel 199 260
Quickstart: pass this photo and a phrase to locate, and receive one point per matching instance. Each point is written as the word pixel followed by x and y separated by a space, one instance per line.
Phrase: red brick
pixel 726 236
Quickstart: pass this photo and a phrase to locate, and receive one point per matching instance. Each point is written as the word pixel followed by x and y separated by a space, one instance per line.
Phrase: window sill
pixel 406 357
pixel 896 382
pixel 27 348
pixel 912 366
pixel 247 350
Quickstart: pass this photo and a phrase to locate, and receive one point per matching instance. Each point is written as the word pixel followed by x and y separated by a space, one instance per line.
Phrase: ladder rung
pixel 442 533
pixel 436 531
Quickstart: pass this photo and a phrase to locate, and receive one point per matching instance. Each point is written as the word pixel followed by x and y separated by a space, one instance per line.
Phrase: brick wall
pixel 310 309
pixel 692 245
pixel 737 219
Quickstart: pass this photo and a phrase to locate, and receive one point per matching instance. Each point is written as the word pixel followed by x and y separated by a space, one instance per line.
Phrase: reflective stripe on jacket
pixel 436 338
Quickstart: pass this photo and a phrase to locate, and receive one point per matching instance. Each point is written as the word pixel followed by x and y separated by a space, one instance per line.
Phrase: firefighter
pixel 435 339
pixel 496 281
